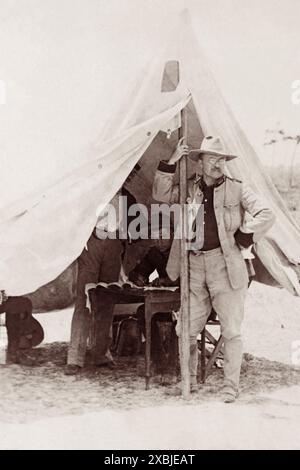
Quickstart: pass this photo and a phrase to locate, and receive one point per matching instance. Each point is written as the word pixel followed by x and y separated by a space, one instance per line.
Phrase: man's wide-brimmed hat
pixel 211 146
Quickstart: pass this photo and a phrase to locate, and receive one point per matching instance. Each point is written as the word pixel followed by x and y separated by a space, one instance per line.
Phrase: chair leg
pixel 214 355
pixel 202 360
pixel 211 338
pixel 148 318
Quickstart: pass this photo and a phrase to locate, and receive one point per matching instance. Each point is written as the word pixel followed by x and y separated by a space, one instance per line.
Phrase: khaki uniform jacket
pixel 232 200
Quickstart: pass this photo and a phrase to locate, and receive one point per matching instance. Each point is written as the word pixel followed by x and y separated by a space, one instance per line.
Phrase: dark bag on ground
pixel 23 330
pixel 164 342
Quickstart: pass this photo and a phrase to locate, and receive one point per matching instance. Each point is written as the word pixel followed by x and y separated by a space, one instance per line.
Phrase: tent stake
pixel 184 340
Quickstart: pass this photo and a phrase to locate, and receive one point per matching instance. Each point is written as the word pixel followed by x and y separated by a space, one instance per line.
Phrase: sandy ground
pixel 41 408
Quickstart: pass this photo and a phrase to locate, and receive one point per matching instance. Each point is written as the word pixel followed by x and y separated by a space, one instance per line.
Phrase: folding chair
pixel 205 352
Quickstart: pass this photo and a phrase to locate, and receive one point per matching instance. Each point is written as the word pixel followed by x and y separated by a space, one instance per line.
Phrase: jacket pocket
pixel 238 271
pixel 232 216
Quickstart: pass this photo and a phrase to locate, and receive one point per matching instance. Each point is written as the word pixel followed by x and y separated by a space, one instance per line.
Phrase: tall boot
pixel 103 337
pixel 193 365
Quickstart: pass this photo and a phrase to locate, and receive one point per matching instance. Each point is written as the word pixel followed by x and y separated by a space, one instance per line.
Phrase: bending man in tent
pixel 99 261
pixel 218 275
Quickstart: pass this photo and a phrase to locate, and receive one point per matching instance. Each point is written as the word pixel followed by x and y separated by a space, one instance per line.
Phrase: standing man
pixel 99 261
pixel 218 275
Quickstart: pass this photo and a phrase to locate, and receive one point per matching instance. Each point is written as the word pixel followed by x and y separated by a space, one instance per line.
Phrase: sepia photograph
pixel 149 227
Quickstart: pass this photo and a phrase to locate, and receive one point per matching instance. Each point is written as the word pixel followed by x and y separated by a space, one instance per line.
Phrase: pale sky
pixel 59 57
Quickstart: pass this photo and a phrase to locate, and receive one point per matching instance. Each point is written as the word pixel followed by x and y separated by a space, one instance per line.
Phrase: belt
pixel 205 252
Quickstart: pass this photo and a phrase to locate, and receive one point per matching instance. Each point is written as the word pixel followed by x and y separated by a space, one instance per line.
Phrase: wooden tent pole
pixel 184 340
pixel 170 81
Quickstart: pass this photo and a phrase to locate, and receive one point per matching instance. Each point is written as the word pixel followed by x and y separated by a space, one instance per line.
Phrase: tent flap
pixel 44 233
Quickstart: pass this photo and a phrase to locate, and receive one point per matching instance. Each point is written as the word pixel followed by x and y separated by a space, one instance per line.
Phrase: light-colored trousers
pixel 101 261
pixel 210 287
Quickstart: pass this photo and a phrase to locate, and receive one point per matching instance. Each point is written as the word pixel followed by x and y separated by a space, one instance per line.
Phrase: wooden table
pixel 157 300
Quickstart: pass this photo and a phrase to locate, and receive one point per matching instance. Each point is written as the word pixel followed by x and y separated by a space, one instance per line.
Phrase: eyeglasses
pixel 214 160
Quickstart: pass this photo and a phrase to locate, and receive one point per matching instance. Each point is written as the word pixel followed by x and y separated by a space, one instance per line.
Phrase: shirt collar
pixel 199 180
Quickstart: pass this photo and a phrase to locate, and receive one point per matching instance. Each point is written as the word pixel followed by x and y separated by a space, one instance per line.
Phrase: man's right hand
pixel 181 150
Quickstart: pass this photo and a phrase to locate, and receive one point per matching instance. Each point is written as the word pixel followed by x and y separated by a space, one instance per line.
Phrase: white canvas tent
pixel 42 234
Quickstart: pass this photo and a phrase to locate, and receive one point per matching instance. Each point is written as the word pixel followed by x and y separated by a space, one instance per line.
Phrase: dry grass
pixel 29 393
